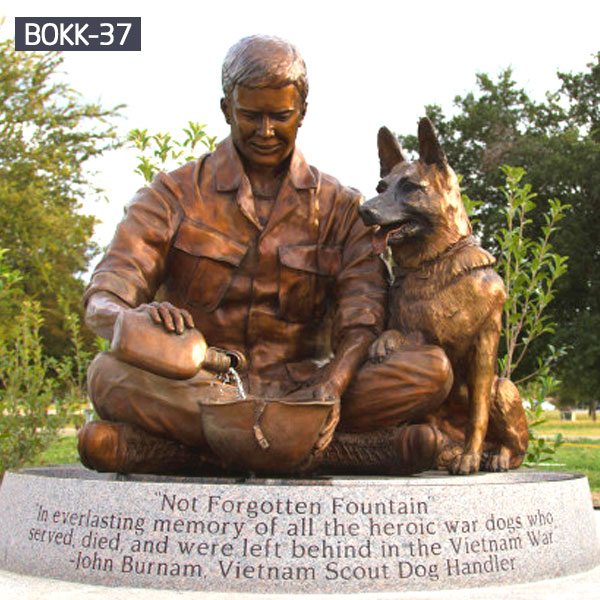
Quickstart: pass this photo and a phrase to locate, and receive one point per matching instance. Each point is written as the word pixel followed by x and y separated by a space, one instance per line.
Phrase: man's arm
pixel 361 294
pixel 134 264
pixel 335 377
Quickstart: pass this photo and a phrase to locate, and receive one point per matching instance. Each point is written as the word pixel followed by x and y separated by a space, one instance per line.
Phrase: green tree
pixel 11 298
pixel 46 136
pixel 577 104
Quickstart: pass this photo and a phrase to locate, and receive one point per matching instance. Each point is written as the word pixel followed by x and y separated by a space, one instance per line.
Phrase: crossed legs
pixel 162 417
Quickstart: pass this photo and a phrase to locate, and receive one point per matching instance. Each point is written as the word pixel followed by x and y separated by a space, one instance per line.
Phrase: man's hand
pixel 169 316
pixel 103 309
pixel 328 430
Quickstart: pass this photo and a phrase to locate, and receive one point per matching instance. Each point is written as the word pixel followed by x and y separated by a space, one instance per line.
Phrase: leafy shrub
pixel 530 269
pixel 157 150
pixel 38 394
pixel 28 388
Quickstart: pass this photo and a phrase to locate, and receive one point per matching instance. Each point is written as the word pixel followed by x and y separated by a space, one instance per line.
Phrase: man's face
pixel 264 123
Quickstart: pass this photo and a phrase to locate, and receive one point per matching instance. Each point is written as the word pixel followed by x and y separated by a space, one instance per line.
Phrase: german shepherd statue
pixel 445 292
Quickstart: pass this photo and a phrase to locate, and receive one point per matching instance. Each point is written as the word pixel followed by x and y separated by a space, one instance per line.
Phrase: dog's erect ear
pixel 390 153
pixel 430 151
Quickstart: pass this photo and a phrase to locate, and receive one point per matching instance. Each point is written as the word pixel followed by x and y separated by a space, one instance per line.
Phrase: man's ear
pixel 303 114
pixel 226 110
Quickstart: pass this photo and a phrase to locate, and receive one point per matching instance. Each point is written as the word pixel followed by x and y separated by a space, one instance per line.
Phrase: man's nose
pixel 265 128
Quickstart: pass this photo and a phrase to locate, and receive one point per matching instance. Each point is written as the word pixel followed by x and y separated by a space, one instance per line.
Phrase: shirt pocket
pixel 216 255
pixel 306 279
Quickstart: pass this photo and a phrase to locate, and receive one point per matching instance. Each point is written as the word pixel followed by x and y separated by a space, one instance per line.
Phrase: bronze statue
pixel 445 292
pixel 253 251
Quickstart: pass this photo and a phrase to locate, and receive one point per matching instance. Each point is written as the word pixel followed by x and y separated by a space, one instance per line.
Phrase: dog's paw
pixel 387 343
pixel 498 461
pixel 465 464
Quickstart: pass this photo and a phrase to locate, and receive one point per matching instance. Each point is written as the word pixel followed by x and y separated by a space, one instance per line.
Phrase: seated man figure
pixel 266 256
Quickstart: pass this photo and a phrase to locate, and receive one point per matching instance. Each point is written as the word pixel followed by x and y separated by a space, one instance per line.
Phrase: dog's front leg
pixel 387 343
pixel 480 378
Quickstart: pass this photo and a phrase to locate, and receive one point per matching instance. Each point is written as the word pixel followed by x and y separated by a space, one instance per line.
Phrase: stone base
pixel 338 535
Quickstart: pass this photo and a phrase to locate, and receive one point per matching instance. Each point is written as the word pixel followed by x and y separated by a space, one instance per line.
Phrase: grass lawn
pixel 581 455
pixel 582 427
pixel 63 451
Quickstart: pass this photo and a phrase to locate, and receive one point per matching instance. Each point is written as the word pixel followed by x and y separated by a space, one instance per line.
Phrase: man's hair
pixel 264 61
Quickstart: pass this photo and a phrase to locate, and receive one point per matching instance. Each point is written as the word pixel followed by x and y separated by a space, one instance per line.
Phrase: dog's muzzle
pixel 368 214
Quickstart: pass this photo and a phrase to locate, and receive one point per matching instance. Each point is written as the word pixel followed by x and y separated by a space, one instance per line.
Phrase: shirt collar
pixel 229 168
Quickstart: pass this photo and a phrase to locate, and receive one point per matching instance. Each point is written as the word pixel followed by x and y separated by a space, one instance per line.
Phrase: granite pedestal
pixel 313 536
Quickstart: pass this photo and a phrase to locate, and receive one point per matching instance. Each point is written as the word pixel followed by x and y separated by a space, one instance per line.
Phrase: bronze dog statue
pixel 445 292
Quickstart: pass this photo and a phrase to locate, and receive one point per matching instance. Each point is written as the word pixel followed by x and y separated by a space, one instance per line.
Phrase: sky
pixel 370 63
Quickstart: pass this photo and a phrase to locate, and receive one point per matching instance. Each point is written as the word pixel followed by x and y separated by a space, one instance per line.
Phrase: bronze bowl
pixel 270 436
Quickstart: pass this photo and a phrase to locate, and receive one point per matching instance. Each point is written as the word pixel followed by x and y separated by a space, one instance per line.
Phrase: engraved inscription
pixel 220 537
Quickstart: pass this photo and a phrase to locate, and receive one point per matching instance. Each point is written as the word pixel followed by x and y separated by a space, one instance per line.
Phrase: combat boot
pixel 123 448
pixel 402 450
